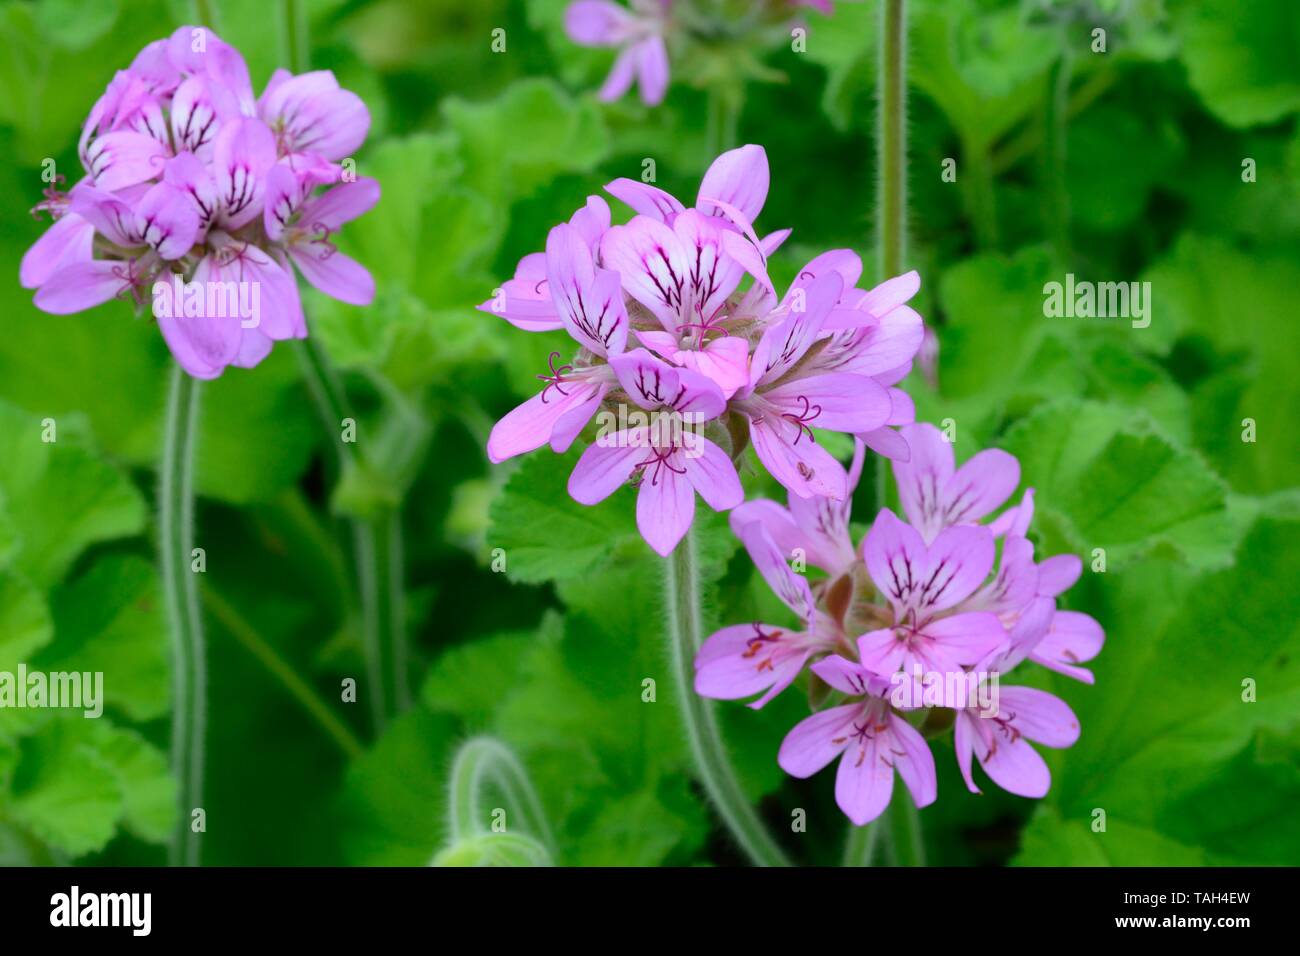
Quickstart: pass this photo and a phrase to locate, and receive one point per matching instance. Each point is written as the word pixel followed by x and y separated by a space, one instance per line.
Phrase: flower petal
pixel 815 741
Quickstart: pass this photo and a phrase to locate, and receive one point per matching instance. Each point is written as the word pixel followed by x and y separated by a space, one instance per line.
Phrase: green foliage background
pixel 1131 436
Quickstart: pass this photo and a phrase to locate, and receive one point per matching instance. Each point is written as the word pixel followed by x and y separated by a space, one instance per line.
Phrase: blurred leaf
pixel 1169 739
pixel 533 131
pixel 110 619
pixel 393 801
pixel 1107 479
pixel 1242 56
pixel 65 791
pixel 60 497
pixel 547 535
pixel 25 623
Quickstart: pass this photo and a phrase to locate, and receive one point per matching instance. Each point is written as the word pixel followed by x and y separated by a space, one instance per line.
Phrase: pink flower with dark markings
pixel 905 601
pixel 872 740
pixel 688 288
pixel 637 32
pixel 192 183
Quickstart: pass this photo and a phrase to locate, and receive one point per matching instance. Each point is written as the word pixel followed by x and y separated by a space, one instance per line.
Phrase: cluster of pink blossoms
pixel 662 324
pixel 640 32
pixel 192 184
pixel 921 609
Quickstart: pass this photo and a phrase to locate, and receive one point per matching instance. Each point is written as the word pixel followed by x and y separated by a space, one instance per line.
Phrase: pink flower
pixel 872 741
pixel 689 286
pixel 638 34
pixel 667 469
pixel 201 195
pixel 748 659
pixel 923 608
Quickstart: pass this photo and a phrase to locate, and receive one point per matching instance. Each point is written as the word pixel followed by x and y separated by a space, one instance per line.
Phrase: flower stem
pixel 906 846
pixel 904 823
pixel 892 138
pixel 860 846
pixel 229 617
pixel 1056 133
pixel 484 761
pixel 377 553
pixel 684 627
pixel 180 588
pixel 722 121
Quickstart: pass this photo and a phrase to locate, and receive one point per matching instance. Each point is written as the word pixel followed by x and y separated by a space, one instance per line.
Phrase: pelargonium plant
pixel 192 186
pixel 673 314
pixel 642 31
pixel 912 630
pixel 201 200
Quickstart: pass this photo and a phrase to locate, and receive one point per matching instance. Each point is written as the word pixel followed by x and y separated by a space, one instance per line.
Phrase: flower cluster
pixel 640 32
pixel 198 195
pixel 919 623
pixel 664 322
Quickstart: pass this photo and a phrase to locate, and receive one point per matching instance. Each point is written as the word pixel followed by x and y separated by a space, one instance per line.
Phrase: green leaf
pixel 64 790
pixel 394 798
pixel 111 620
pixel 1107 478
pixel 1170 737
pixel 1203 289
pixel 59 495
pixel 1241 57
pixel 144 779
pixel 546 535
pixel 25 625
pixel 529 134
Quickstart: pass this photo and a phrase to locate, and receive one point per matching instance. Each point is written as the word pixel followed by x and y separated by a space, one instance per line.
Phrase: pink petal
pixel 815 741
pixel 916 763
pixel 790 587
pixel 67 241
pixel 123 159
pixel 646 199
pixel 653 264
pixel 739 177
pixel 979 486
pixel 167 221
pixel 839 402
pixel 81 286
pixel 590 304
pixel 1073 638
pixel 797 462
pixel 711 473
pixel 747 660
pixel 242 156
pixel 665 507
pixel 896 557
pixel 1058 574
pixel 530 425
pixel 598 23
pixel 922 477
pixel 864 782
pixel 652 69
pixel 784 343
pixel 621 75
pixel 335 274
pixel 1039 716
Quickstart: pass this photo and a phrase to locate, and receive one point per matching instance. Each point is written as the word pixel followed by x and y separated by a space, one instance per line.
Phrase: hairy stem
pixel 906 847
pixel 860 847
pixel 892 139
pixel 377 554
pixel 482 762
pixel 243 632
pixel 1056 132
pixel 180 588
pixel 904 829
pixel 683 629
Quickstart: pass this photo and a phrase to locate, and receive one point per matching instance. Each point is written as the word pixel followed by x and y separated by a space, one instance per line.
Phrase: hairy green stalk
pixel 684 631
pixel 903 822
pixel 483 765
pixel 860 846
pixel 229 617
pixel 376 540
pixel 906 846
pixel 181 592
